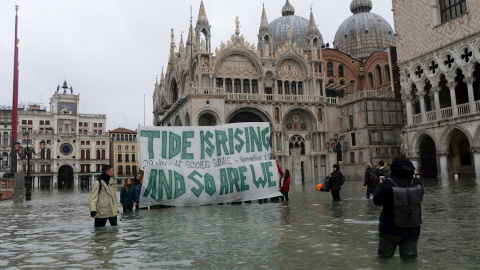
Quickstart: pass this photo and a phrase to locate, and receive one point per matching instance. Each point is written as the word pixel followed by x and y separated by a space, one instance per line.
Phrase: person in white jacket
pixel 103 199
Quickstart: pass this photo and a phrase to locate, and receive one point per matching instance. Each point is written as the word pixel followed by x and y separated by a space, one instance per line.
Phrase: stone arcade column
pixel 453 98
pixel 414 159
pixel 421 95
pixel 469 81
pixel 476 157
pixel 436 97
pixel 408 104
pixel 444 167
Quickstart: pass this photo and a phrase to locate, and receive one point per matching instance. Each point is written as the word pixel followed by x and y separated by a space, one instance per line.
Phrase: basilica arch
pixel 208 117
pixel 248 114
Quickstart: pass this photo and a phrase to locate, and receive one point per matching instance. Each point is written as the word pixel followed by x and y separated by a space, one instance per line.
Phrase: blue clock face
pixel 67 108
pixel 66 149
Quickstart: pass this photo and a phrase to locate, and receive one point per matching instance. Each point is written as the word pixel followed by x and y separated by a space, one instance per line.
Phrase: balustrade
pixel 463 109
pixel 417 118
pixel 446 112
pixel 431 116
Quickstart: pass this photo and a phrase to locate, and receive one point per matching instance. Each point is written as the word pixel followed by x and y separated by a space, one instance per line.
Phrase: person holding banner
pixel 286 185
pixel 280 178
pixel 138 189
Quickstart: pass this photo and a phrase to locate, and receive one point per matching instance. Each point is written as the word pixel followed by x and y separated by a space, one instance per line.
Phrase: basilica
pixel 326 103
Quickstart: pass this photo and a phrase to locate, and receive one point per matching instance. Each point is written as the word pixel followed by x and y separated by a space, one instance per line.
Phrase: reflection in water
pixel 55 230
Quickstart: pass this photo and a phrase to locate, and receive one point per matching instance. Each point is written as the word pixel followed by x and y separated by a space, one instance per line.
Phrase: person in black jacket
pixel 391 236
pixel 336 181
pixel 371 180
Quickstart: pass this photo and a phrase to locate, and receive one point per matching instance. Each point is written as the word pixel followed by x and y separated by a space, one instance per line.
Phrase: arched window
pixel 340 71
pixel 297 142
pixel 329 69
pixel 294 88
pixel 98 154
pixel 228 85
pixel 5 138
pixel 238 86
pixel 387 71
pixel 82 154
pixel 49 154
pixel 287 88
pixel 246 86
pixel 103 154
pixel 254 86
pixel 280 87
pixel 300 88
pixel 219 82
pixel 370 80
pixel 379 75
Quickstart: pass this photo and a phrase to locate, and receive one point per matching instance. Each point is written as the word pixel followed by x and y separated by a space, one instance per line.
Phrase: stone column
pixel 453 98
pixel 414 159
pixel 471 99
pixel 408 104
pixel 241 85
pixel 444 167
pixel 436 97
pixel 476 157
pixel 421 96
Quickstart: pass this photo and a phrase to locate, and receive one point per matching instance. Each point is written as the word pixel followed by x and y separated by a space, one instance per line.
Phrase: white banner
pixel 205 165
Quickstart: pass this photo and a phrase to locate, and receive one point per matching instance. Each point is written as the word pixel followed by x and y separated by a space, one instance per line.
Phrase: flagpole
pixel 15 98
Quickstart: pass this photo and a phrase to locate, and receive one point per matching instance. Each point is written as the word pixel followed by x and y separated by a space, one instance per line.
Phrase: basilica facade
pixel 439 61
pixel 325 103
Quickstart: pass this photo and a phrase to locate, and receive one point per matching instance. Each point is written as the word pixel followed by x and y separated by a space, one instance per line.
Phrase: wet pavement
pixel 55 230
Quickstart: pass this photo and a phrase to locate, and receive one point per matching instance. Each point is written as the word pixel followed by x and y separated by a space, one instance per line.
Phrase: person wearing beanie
pixel 103 199
pixel 391 236
pixel 383 170
pixel 336 181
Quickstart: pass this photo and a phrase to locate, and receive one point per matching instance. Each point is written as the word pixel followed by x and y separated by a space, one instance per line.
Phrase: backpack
pixel 373 180
pixel 407 208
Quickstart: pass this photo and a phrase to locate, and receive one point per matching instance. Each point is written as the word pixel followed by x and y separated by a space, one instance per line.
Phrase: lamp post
pixel 27 152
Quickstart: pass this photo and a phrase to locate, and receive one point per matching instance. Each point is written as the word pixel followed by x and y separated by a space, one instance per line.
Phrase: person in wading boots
pixel 103 199
pixel 371 180
pixel 399 222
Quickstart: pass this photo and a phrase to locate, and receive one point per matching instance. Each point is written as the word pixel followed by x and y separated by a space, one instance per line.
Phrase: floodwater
pixel 54 230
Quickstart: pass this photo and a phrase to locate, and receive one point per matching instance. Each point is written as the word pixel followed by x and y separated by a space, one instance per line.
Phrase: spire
pixel 288 9
pixel 190 34
pixel 312 27
pixel 181 49
pixel 360 6
pixel 202 15
pixel 264 23
pixel 162 78
pixel 172 45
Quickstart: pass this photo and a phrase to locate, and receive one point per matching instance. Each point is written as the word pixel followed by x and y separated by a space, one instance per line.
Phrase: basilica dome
pixel 364 32
pixel 279 28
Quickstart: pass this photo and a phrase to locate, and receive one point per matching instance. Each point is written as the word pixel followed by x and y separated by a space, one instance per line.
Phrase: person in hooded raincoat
pixel 336 181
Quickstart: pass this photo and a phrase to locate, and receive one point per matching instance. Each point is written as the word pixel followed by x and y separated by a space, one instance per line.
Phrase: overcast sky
pixel 110 51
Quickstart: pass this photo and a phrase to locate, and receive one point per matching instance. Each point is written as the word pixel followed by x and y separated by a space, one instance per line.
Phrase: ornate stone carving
pixel 475 150
pixel 469 80
pixel 452 85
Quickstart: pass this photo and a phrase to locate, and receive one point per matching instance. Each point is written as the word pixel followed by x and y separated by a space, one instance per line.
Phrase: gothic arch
pixel 252 57
pixel 476 138
pixel 187 119
pixel 418 138
pixel 447 134
pixel 297 59
pixel 178 121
